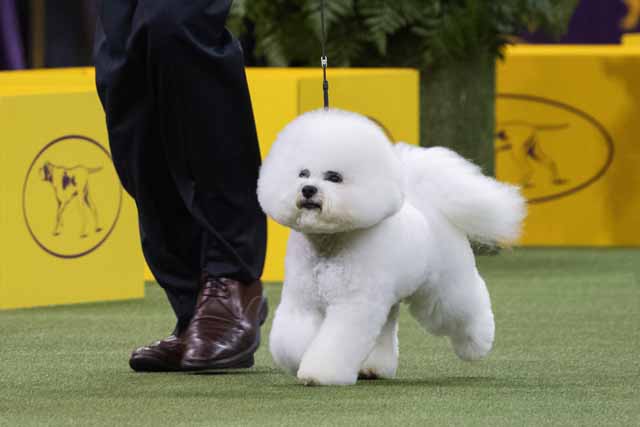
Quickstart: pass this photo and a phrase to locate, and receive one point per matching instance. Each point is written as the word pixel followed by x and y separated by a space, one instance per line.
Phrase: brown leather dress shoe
pixel 225 329
pixel 161 356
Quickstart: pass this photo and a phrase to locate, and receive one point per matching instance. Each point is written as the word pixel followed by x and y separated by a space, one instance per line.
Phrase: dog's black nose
pixel 308 191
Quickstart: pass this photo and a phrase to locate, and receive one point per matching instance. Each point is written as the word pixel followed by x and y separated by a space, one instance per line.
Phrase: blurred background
pixel 41 33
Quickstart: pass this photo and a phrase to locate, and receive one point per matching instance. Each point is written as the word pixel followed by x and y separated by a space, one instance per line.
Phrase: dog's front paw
pixel 326 375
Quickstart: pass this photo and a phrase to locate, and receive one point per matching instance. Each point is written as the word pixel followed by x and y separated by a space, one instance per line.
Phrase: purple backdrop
pixel 597 22
pixel 11 47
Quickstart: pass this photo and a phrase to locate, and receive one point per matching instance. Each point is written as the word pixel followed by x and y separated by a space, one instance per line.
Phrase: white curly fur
pixel 396 229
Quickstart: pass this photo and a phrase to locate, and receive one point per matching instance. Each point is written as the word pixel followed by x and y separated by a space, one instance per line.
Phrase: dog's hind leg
pixel 292 331
pixel 457 306
pixel 62 206
pixel 383 360
pixel 82 209
pixel 88 202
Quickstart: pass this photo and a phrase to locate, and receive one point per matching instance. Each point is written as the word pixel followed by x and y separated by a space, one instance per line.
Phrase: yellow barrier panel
pixel 566 116
pixel 631 39
pixel 567 130
pixel 56 80
pixel 66 224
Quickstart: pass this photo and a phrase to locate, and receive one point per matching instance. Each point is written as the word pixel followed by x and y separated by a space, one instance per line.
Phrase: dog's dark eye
pixel 333 176
pixel 304 173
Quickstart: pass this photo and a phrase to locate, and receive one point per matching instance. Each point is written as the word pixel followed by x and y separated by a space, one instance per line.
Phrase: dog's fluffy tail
pixel 484 209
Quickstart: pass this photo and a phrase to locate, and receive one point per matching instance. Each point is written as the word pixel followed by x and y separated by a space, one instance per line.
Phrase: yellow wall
pixel 567 117
pixel 37 267
pixel 575 110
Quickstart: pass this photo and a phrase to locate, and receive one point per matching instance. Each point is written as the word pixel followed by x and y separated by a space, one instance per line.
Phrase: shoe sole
pixel 238 361
pixel 149 364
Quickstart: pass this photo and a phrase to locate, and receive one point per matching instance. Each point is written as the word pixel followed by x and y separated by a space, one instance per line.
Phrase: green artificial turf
pixel 567 352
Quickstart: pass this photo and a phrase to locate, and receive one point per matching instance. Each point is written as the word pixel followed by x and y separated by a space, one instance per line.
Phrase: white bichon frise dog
pixel 375 224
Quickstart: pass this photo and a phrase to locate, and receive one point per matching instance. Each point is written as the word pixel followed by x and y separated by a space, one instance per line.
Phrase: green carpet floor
pixel 567 352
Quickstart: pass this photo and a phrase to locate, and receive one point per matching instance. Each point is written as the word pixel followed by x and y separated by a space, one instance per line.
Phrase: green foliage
pixel 419 33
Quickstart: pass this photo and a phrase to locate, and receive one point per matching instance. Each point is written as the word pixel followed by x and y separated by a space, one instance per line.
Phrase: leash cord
pixel 323 59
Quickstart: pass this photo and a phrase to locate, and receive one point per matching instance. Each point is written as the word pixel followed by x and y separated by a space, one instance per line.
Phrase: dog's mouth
pixel 309 204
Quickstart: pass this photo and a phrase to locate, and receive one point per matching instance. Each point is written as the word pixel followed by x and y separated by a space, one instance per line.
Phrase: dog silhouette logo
pixel 71 197
pixel 523 140
pixel 69 183
pixel 549 148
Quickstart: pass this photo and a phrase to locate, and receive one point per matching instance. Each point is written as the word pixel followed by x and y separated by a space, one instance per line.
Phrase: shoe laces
pixel 215 289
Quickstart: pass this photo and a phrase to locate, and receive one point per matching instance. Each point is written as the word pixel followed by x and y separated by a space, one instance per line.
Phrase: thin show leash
pixel 323 59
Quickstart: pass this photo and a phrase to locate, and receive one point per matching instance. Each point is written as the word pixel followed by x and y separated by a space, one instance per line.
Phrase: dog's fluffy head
pixel 331 171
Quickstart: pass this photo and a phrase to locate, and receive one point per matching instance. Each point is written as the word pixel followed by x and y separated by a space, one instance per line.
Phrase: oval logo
pixel 72 197
pixel 383 127
pixel 549 148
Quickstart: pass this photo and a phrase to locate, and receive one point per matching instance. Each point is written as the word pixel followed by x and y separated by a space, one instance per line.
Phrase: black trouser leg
pixel 205 110
pixel 181 129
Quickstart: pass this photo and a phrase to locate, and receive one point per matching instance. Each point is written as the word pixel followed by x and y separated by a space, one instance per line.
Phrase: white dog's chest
pixel 326 281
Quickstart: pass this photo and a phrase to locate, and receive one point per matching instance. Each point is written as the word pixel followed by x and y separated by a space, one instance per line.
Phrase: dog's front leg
pixel 292 331
pixel 344 341
pixel 59 211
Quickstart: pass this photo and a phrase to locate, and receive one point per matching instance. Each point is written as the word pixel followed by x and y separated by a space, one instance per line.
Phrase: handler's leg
pixel 207 127
pixel 181 130
pixel 170 237
pixel 196 71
